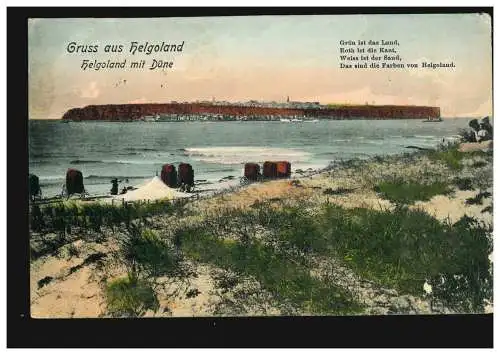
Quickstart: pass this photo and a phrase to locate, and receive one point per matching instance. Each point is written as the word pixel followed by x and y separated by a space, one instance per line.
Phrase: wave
pixel 51 177
pixel 47 178
pixel 51 155
pixel 129 162
pixel 419 136
pixel 133 149
pixel 133 162
pixel 416 136
pixel 84 161
pixel 41 161
pixel 51 183
pixel 221 170
pixel 240 155
pixel 427 137
pixel 377 142
pixel 119 177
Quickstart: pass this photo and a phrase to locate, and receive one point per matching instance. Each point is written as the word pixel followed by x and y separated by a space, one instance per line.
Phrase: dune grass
pixel 403 248
pixel 452 157
pixel 400 249
pixel 478 199
pixel 148 255
pixel 408 192
pixel 130 297
pixel 93 216
pixel 288 281
pixel 464 184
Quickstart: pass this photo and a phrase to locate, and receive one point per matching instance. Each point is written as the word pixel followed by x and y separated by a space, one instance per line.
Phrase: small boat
pixel 151 118
pixel 285 120
pixel 296 120
pixel 437 119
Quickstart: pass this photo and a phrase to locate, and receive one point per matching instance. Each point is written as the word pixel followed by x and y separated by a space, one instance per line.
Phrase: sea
pixel 134 152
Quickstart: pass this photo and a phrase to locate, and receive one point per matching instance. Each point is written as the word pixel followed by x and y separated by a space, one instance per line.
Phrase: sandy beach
pixel 70 280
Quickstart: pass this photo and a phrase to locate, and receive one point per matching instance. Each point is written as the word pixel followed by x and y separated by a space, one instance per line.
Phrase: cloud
pixel 90 92
pixel 484 109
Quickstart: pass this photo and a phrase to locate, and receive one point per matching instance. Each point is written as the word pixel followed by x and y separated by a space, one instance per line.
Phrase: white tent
pixel 154 189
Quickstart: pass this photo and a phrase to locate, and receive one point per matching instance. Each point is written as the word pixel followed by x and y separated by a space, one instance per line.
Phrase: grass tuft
pixel 479 164
pixel 130 297
pixel 402 192
pixel 478 199
pixel 145 252
pixel 463 183
pixel 452 158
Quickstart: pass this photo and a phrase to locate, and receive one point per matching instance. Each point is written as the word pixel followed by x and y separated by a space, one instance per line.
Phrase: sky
pixel 266 58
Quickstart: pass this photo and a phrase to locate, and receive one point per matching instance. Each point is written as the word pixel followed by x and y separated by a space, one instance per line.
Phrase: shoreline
pixel 347 185
pixel 231 183
pixel 203 190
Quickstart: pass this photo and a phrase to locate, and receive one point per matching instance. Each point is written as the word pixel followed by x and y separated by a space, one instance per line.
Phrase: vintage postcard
pixel 261 165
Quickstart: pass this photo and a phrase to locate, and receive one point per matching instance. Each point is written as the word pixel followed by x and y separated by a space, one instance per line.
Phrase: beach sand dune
pixel 454 207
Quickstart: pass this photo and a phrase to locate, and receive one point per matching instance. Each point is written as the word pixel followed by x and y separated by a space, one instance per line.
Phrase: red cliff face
pixel 136 111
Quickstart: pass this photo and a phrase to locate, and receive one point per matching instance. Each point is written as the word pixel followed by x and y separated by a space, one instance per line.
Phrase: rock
pixel 488 307
pixel 378 311
pixel 400 304
pixel 381 300
pixel 422 307
pixel 438 307
pixel 389 292
pixel 368 302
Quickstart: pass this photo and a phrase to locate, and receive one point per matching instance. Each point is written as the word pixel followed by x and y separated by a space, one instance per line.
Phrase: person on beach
pixel 474 124
pixel 482 135
pixel 485 131
pixel 114 187
pixel 486 126
pixel 482 131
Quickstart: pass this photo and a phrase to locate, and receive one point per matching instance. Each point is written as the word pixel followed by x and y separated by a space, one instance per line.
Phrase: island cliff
pixel 127 112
